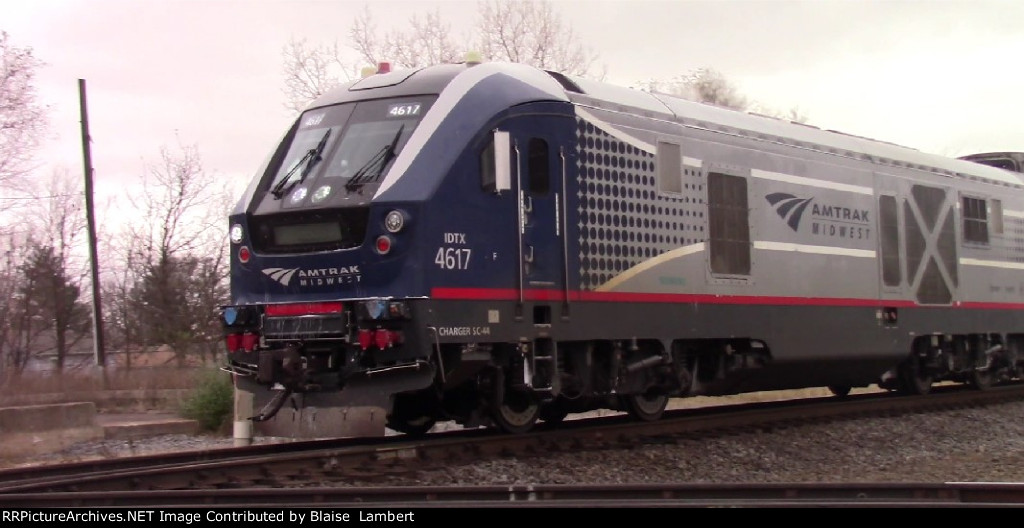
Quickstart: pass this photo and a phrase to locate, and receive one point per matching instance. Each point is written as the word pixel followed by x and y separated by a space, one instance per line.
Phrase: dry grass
pixel 90 381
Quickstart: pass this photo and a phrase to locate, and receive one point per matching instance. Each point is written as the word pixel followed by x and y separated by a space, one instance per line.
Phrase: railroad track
pixel 234 472
pixel 416 499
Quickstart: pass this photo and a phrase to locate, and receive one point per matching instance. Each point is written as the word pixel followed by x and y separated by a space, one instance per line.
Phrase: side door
pixel 541 146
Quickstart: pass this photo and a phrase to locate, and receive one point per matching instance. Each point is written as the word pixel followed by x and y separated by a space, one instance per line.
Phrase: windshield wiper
pixel 374 167
pixel 308 161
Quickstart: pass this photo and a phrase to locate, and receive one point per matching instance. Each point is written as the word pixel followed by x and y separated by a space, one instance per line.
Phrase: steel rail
pixel 544 496
pixel 363 460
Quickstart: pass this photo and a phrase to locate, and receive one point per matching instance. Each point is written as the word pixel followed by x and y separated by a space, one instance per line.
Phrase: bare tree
pixel 121 308
pixel 121 321
pixel 531 32
pixel 310 70
pixel 794 114
pixel 427 41
pixel 22 119
pixel 178 255
pixel 13 355
pixel 705 85
pixel 41 277
pixel 61 218
pixel 527 31
pixel 708 85
pixel 177 204
pixel 56 269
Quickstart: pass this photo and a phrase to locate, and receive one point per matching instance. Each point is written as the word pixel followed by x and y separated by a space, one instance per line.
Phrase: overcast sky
pixel 939 76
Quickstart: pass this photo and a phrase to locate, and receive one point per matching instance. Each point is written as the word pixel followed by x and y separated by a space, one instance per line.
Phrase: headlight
pixel 236 233
pixel 394 221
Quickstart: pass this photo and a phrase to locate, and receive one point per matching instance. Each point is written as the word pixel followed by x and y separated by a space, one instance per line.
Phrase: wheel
pixel 839 390
pixel 415 427
pixel 645 407
pixel 553 412
pixel 913 379
pixel 980 379
pixel 516 414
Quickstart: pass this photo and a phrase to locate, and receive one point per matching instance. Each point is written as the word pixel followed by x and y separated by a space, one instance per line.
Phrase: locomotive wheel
pixel 516 414
pixel 980 379
pixel 415 427
pixel 839 390
pixel 913 380
pixel 645 407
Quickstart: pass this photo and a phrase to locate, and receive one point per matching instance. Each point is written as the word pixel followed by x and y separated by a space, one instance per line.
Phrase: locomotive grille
pixel 306 326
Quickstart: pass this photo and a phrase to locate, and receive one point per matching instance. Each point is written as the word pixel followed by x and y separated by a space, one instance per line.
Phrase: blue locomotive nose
pixel 311 278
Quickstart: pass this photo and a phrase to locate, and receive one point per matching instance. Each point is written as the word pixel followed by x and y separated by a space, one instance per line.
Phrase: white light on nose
pixel 394 221
pixel 236 233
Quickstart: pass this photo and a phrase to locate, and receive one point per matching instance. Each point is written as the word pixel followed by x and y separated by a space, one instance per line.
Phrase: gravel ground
pixel 970 445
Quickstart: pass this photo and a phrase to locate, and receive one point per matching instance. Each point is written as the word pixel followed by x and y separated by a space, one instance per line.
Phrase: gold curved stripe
pixel 650 263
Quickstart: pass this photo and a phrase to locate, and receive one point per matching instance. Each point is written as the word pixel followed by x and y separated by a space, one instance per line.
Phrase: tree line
pixel 165 274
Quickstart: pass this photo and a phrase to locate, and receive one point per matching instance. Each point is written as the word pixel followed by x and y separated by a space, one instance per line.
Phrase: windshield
pixel 343 150
pixel 317 126
pixel 306 163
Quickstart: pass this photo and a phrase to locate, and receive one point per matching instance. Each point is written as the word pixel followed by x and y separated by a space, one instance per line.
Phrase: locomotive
pixel 495 244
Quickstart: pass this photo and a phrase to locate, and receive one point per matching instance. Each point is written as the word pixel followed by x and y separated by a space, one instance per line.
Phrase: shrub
pixel 211 404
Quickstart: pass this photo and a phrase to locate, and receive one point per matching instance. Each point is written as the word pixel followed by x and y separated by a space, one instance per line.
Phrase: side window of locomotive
pixel 669 160
pixel 892 274
pixel 975 216
pixel 540 179
pixel 728 224
pixel 488 178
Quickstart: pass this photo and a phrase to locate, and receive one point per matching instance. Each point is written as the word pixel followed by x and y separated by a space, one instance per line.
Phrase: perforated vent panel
pixel 623 219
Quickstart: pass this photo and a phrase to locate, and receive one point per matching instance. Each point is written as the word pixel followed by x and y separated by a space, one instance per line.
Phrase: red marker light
pixel 243 254
pixel 383 244
pixel 249 341
pixel 365 338
pixel 382 338
pixel 384 67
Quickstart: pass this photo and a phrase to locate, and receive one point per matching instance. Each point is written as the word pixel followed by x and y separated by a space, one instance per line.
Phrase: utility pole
pixel 97 312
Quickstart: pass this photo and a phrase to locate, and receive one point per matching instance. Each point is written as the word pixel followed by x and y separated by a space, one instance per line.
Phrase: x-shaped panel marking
pixel 931 236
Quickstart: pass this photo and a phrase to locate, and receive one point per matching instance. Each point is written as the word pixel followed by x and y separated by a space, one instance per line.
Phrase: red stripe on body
pixel 511 294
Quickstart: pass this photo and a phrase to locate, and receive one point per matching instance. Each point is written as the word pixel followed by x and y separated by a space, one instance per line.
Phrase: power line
pixel 39 197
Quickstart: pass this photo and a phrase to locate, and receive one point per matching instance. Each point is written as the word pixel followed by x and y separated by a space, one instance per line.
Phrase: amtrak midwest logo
pixel 315 276
pixel 834 221
pixel 790 208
